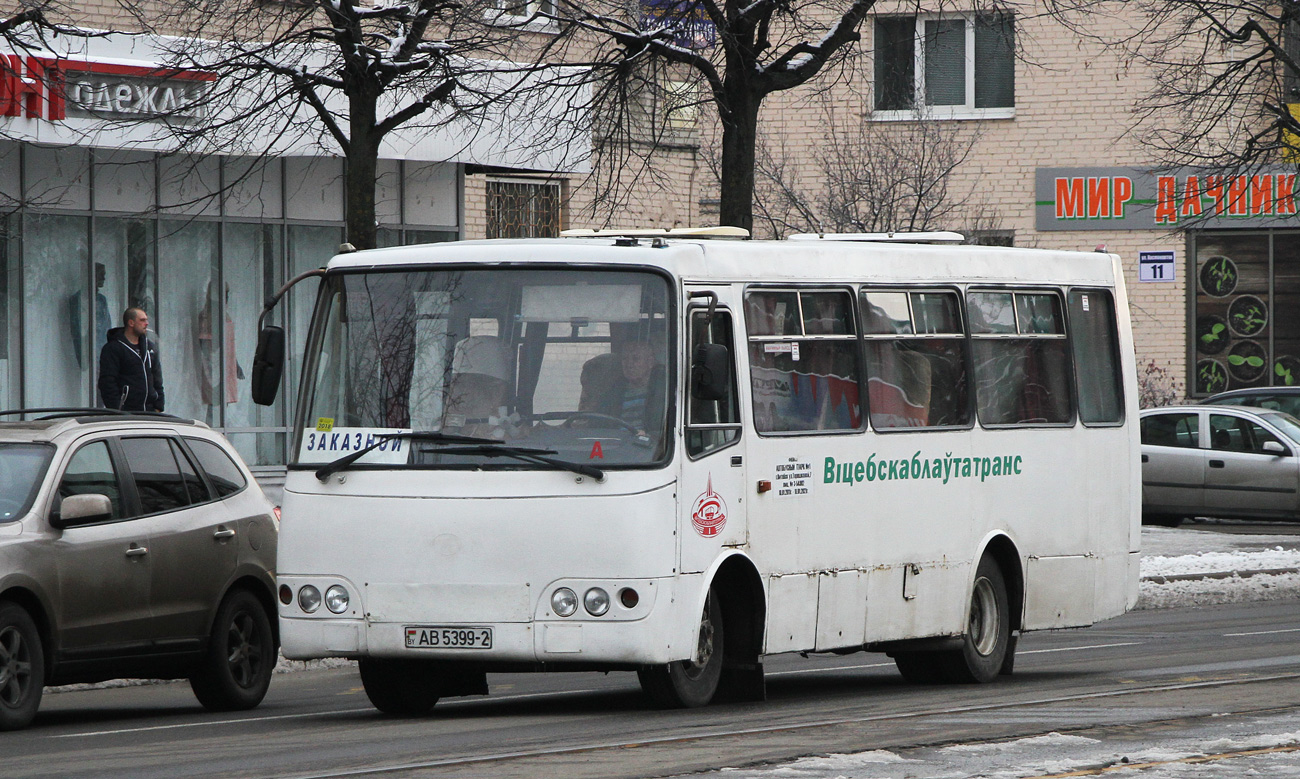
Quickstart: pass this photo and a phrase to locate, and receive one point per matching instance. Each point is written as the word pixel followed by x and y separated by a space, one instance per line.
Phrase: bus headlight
pixel 336 599
pixel 564 602
pixel 309 599
pixel 596 601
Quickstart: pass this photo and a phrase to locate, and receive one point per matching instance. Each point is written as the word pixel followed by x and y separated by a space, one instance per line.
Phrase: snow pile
pixel 1224 566
pixel 1264 748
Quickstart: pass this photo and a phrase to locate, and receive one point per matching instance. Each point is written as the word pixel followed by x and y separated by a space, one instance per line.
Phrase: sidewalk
pixel 1194 566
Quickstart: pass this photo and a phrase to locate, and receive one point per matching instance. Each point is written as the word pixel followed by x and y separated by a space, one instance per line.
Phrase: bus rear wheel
pixel 406 688
pixel 987 639
pixel 687 684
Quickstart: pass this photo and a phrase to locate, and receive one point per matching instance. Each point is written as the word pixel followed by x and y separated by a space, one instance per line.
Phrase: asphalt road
pixel 1148 670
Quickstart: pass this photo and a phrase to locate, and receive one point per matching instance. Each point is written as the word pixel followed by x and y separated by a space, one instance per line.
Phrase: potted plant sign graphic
pixel 1211 377
pixel 1286 371
pixel 1218 276
pixel 1211 334
pixel 1247 316
pixel 1247 361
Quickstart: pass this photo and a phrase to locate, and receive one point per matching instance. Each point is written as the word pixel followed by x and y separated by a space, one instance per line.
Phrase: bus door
pixel 712 484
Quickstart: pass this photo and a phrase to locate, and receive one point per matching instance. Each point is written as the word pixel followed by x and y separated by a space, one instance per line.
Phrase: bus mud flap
pixel 742 682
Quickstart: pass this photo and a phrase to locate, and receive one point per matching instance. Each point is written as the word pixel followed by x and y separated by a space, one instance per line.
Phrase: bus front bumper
pixel 650 635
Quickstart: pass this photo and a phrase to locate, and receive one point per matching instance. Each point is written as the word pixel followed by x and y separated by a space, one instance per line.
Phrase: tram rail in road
pixel 1139 671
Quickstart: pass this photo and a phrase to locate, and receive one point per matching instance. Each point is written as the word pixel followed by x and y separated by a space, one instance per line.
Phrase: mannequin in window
pixel 233 371
pixel 103 321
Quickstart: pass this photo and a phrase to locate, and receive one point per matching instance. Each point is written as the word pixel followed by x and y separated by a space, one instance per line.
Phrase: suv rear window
pixel 225 476
pixel 159 481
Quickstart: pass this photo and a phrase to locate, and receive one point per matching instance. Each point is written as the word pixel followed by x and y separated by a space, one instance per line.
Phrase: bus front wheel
pixel 686 684
pixel 406 688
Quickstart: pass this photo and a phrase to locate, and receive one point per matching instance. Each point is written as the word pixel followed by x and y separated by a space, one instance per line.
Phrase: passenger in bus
pixel 478 396
pixel 627 384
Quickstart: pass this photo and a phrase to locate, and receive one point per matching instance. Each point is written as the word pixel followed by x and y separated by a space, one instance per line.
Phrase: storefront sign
pixel 54 89
pixel 1155 266
pixel 1137 199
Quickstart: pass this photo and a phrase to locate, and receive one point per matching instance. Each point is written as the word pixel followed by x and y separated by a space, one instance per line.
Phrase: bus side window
pixel 712 424
pixel 916 359
pixel 1022 362
pixel 803 358
pixel 1096 356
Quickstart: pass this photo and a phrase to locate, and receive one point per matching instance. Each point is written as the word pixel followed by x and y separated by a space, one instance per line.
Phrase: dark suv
pixel 131 546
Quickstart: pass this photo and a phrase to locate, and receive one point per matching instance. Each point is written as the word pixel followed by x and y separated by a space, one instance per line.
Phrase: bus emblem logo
pixel 709 514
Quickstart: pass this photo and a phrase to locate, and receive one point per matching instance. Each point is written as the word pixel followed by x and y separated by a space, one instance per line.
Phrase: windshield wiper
pixel 526 454
pixel 325 471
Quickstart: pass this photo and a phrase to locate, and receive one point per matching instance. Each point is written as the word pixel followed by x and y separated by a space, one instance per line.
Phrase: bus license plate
pixel 447 637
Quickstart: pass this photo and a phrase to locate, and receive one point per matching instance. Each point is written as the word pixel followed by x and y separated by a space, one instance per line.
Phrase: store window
pixel 57 302
pixel 965 68
pixel 1246 311
pixel 199 244
pixel 189 291
pixel 523 209
pixel 10 305
pixel 252 262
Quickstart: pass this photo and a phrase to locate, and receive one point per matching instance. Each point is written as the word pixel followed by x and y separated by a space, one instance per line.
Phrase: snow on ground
pixel 1261 747
pixel 1224 561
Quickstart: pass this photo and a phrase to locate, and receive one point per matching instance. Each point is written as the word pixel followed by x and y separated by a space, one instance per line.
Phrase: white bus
pixel 676 455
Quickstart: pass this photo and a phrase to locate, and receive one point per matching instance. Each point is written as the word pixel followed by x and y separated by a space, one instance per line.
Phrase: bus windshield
pixel 572 363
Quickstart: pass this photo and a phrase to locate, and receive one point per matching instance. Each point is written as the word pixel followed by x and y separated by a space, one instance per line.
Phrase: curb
pixel 1188 577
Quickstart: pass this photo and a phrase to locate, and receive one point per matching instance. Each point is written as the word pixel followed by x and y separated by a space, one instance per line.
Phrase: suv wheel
pixel 22 667
pixel 236 671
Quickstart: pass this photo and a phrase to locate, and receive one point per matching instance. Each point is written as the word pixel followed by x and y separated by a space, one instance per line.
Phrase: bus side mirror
pixel 711 372
pixel 268 365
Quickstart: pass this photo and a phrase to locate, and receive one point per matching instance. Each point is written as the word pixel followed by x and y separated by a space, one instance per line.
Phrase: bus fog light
pixel 286 594
pixel 629 598
pixel 564 602
pixel 336 599
pixel 309 599
pixel 596 601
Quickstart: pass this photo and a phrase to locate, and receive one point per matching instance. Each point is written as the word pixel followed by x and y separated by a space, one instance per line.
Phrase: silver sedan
pixel 1219 461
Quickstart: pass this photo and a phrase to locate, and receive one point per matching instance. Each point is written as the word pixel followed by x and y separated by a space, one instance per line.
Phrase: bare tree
pixel 345 76
pixel 1225 75
pixel 762 47
pixel 867 177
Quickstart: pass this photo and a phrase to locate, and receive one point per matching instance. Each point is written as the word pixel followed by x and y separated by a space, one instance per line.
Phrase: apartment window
pixel 523 209
pixel 948 66
pixel 515 12
pixel 681 105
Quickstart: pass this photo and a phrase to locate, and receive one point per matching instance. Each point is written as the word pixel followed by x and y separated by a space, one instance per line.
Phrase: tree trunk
pixel 363 162
pixel 739 136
